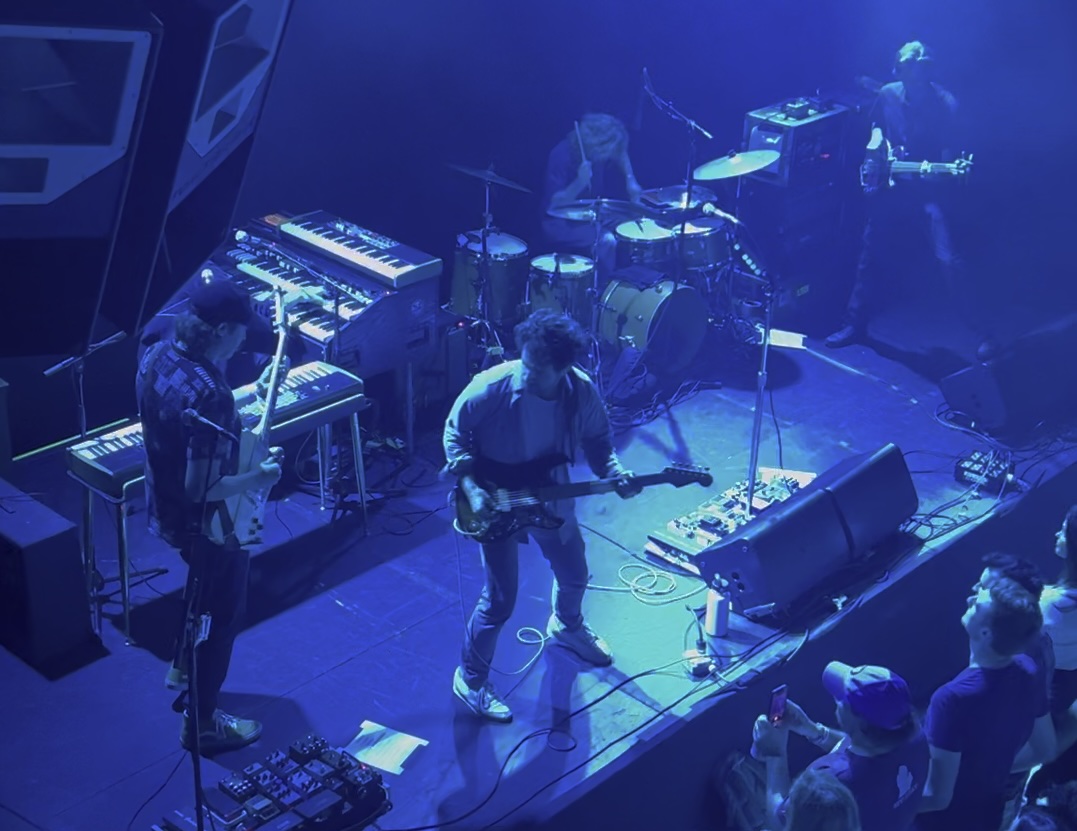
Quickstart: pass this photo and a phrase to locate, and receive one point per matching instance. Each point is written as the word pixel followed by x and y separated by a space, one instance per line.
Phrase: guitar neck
pixel 551 493
pixel 262 428
pixel 918 168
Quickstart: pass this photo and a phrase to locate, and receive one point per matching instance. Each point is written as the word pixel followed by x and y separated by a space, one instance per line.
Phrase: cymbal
pixel 605 209
pixel 735 164
pixel 489 176
pixel 674 197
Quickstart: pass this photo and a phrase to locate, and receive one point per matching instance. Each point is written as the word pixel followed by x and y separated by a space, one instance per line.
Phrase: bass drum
pixel 507 272
pixel 665 322
pixel 562 282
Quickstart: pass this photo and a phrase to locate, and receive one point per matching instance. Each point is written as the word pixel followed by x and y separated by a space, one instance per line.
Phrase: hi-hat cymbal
pixel 675 197
pixel 587 210
pixel 735 164
pixel 489 176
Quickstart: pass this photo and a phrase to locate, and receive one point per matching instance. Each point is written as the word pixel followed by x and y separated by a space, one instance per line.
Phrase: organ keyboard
pixel 384 259
pixel 313 394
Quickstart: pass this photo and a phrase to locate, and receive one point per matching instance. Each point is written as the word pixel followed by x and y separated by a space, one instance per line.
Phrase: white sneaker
pixel 584 642
pixel 484 702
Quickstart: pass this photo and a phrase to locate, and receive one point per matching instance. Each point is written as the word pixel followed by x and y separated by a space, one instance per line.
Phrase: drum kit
pixel 671 249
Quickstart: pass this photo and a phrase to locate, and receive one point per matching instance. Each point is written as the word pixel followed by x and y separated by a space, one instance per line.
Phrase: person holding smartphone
pixel 879 751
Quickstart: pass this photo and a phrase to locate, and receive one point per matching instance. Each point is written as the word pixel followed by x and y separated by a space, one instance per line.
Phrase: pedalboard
pixel 308 785
pixel 989 471
pixel 684 538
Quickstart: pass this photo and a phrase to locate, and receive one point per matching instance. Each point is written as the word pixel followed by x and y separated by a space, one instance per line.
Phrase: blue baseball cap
pixel 874 694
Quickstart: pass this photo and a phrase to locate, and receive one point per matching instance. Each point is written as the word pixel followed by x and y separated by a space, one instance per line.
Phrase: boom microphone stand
pixel 693 126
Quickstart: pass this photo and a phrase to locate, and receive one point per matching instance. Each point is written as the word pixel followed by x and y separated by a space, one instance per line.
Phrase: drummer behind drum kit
pixel 671 251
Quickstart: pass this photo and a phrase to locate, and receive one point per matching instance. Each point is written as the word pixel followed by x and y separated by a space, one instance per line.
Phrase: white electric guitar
pixel 243 515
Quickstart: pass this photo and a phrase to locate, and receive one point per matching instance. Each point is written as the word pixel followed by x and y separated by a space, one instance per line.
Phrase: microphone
pixel 711 210
pixel 243 236
pixel 190 417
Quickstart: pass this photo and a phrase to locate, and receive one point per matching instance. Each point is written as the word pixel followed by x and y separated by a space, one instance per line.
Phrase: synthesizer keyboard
pixel 312 395
pixel 259 270
pixel 384 259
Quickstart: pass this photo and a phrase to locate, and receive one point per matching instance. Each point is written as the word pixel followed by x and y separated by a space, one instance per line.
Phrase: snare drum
pixel 666 323
pixel 643 242
pixel 507 276
pixel 705 243
pixel 561 282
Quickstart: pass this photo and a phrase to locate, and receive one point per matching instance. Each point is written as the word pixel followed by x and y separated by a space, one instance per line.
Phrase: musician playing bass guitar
pixel 538 407
pixel 917 119
pixel 191 470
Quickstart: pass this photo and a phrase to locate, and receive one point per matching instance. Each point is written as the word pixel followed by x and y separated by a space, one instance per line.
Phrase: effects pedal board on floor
pixel 308 785
pixel 684 538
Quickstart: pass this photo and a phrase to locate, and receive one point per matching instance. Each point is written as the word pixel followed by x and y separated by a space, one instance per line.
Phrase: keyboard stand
pixel 123 559
pixel 351 406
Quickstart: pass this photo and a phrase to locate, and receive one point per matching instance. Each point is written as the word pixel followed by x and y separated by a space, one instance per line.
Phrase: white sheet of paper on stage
pixel 786 340
pixel 379 746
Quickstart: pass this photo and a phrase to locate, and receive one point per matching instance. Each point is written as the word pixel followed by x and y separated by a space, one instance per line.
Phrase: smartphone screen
pixel 778 698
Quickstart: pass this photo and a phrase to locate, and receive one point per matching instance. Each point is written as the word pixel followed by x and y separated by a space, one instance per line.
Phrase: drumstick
pixel 579 138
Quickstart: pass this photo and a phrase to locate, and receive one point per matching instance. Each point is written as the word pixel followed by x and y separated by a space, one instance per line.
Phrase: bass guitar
pixel 882 165
pixel 243 516
pixel 521 493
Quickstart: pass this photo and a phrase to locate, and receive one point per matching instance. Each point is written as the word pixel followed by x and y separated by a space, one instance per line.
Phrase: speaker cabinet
pixel 1033 380
pixel 44 607
pixel 215 67
pixel 74 83
pixel 797 545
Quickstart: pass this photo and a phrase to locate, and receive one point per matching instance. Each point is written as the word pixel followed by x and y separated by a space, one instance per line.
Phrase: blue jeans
pixel 221 574
pixel 564 550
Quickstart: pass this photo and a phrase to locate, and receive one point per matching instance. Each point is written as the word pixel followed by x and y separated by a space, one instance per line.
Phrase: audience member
pixel 1059 606
pixel 977 722
pixel 1039 649
pixel 819 802
pixel 880 753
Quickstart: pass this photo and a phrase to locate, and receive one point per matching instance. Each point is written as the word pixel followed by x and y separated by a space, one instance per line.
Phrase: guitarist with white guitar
pixel 193 441
pixel 909 155
pixel 510 415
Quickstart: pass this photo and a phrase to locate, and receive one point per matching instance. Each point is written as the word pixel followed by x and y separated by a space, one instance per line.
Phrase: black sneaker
pixel 224 732
pixel 843 337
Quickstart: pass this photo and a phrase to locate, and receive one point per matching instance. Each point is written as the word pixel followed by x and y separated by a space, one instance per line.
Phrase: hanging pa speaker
pixel 796 546
pixel 74 85
pixel 216 63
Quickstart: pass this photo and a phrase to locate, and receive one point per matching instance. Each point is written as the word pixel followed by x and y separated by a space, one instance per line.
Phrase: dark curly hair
pixel 1018 569
pixel 1015 616
pixel 554 339
pixel 1069 536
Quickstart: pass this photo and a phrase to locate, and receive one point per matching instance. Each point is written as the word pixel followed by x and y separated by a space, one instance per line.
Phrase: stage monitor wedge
pixel 74 84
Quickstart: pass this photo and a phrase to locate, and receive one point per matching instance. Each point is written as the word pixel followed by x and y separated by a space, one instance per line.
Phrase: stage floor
pixel 347 627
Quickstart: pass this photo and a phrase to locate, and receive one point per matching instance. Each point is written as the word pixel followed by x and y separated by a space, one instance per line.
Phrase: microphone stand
pixel 667 107
pixel 196 632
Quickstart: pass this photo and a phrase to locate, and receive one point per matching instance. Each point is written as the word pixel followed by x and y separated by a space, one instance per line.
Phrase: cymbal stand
pixel 667 107
pixel 482 290
pixel 594 358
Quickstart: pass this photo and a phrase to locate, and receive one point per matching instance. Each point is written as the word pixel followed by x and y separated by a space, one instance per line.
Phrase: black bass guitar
pixel 521 492
pixel 883 164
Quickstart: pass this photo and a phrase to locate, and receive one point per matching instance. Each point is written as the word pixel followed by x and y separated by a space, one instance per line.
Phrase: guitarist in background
pixel 190 469
pixel 517 412
pixel 917 114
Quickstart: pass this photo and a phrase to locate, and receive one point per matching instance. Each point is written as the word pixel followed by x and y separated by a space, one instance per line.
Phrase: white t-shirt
pixel 1059 607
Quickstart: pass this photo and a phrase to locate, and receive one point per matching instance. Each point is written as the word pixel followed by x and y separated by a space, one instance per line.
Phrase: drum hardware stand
pixel 667 107
pixel 760 392
pixel 487 329
pixel 95 580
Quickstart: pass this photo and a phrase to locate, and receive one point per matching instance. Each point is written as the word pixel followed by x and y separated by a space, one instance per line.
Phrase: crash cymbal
pixel 674 198
pixel 607 210
pixel 489 176
pixel 735 164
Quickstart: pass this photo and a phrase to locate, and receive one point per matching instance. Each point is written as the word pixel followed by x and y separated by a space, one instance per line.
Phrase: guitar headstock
pixel 680 475
pixel 963 165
